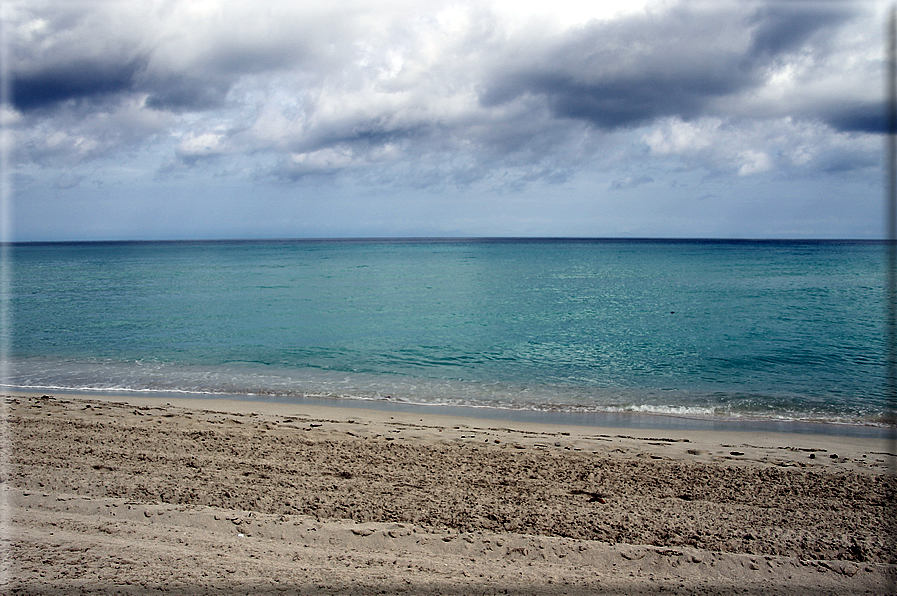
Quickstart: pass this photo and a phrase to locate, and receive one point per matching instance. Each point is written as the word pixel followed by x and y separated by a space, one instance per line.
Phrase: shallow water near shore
pixel 549 419
pixel 709 332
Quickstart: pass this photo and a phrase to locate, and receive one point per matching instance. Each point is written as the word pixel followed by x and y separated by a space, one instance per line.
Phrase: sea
pixel 696 333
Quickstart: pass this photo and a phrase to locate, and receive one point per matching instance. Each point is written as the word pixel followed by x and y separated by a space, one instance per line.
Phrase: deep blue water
pixel 718 329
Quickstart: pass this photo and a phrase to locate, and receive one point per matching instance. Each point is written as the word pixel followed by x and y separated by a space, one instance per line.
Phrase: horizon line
pixel 444 239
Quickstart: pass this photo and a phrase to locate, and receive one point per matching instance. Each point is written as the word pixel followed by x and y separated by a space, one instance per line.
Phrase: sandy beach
pixel 136 495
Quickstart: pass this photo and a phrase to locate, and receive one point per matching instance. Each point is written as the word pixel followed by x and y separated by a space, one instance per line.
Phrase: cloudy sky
pixel 148 119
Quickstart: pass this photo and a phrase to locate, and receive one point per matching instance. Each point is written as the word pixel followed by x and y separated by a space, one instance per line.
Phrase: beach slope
pixel 132 495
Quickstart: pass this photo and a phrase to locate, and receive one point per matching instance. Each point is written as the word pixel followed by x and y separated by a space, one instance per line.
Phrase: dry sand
pixel 135 496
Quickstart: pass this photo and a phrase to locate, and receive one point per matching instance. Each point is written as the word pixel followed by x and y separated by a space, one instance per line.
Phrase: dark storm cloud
pixel 63 51
pixel 75 80
pixel 610 102
pixel 785 26
pixel 630 72
pixel 85 78
pixel 206 83
pixel 367 134
pixel 180 93
pixel 868 117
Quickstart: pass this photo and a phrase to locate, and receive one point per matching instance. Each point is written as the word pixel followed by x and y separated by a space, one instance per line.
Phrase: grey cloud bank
pixel 181 119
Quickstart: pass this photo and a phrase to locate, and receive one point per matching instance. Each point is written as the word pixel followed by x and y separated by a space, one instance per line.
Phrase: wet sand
pixel 135 495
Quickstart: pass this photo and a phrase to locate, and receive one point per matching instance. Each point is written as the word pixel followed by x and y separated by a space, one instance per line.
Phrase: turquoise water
pixel 718 329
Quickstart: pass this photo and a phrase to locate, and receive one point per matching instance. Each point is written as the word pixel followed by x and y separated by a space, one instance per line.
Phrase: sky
pixel 200 119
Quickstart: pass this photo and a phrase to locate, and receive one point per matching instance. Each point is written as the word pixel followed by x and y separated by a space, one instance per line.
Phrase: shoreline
pixel 149 495
pixel 537 423
pixel 619 420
